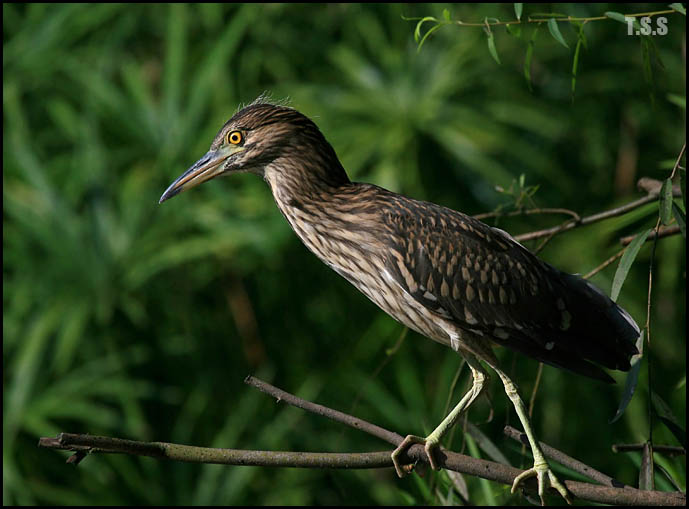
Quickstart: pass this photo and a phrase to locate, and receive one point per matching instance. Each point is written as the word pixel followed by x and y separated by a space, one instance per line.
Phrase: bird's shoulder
pixel 461 268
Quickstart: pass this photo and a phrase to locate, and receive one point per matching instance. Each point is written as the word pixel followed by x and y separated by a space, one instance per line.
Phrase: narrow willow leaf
pixel 427 35
pixel 518 11
pixel 491 47
pixel 623 19
pixel 665 203
pixel 417 30
pixel 669 477
pixel 575 62
pixel 555 32
pixel 679 8
pixel 646 468
pixel 617 16
pixel 668 418
pixel 678 100
pixel 486 488
pixel 646 57
pixel 626 263
pixel 485 443
pixel 681 219
pixel 527 59
pixel 632 378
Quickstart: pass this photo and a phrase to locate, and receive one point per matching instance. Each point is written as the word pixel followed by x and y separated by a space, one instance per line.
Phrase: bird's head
pixel 265 139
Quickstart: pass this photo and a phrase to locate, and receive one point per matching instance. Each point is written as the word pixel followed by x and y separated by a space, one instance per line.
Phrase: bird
pixel 439 272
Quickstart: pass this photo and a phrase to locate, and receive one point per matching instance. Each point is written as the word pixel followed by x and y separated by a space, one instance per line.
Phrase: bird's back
pixel 435 269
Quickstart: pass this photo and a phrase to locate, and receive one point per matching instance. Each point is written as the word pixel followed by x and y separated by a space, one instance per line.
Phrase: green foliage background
pixel 130 319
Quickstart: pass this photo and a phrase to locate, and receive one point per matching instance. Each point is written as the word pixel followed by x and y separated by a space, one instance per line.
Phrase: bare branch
pixel 605 264
pixel 87 444
pixel 617 211
pixel 415 454
pixel 655 234
pixel 652 188
pixel 528 212
pixel 670 450
pixel 335 415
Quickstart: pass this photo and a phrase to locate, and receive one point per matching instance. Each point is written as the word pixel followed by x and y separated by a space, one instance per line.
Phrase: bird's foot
pixel 429 444
pixel 542 471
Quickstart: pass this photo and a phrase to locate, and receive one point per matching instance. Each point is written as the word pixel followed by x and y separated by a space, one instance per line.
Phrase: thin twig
pixel 655 234
pixel 679 158
pixel 605 264
pixel 315 408
pixel 543 19
pixel 528 212
pixel 617 211
pixel 545 241
pixel 670 450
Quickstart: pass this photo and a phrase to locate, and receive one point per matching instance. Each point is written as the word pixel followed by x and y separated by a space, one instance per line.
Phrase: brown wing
pixel 487 282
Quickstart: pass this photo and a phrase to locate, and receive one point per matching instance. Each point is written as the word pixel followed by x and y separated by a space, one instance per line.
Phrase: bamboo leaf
pixel 485 443
pixel 555 32
pixel 632 378
pixel 665 414
pixel 626 263
pixel 518 10
pixel 665 203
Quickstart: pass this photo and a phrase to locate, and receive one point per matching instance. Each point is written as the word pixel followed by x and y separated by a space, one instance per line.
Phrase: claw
pixel 540 470
pixel 428 443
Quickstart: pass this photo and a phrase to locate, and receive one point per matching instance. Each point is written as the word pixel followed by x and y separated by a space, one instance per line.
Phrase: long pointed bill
pixel 209 166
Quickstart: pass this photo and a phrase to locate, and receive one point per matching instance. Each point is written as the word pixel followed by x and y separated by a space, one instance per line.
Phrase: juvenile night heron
pixel 439 272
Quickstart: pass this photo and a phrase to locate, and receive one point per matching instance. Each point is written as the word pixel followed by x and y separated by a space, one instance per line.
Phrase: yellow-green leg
pixel 433 440
pixel 540 468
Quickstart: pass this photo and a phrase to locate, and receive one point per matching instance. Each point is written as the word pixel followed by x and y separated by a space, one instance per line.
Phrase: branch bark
pixel 85 444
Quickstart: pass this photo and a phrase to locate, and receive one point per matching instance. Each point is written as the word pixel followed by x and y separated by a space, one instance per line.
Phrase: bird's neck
pixel 327 219
pixel 294 184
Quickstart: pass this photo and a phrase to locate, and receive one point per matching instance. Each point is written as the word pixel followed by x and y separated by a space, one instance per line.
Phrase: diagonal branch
pixel 652 188
pixel 567 461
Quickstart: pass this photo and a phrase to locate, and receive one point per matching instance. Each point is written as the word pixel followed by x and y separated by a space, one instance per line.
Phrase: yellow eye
pixel 235 138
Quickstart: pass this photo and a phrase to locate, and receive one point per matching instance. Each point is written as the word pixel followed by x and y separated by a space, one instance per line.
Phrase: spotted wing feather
pixel 490 285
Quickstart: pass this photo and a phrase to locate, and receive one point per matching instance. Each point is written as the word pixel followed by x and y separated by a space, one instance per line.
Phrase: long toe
pixel 545 477
pixel 429 446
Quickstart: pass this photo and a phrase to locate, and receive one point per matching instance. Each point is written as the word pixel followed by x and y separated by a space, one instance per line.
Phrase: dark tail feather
pixel 601 331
